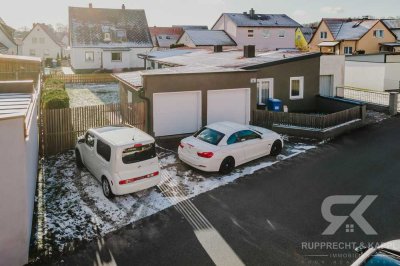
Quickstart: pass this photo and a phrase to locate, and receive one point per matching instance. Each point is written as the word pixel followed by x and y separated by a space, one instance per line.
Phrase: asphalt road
pixel 272 217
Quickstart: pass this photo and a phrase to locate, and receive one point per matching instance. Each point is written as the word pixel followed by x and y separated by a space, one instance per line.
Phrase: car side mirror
pixel 361 249
pixel 80 141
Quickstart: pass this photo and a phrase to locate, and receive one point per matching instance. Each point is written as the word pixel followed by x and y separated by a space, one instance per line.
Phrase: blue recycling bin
pixel 274 105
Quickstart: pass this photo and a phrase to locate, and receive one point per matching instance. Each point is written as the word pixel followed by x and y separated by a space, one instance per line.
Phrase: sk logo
pixel 337 221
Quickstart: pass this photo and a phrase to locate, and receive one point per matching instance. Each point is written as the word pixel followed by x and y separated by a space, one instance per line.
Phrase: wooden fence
pixel 267 119
pixel 61 127
pixel 83 78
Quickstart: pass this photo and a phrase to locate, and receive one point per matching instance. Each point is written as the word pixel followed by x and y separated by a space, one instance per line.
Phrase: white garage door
pixel 229 105
pixel 176 113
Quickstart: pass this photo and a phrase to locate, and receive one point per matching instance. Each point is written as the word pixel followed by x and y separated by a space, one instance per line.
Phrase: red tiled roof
pixel 155 31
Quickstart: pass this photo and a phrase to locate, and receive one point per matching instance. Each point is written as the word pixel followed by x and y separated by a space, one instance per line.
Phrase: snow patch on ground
pixel 75 208
pixel 92 94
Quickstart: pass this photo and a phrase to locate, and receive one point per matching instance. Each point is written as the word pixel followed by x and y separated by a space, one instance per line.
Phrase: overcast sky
pixel 19 13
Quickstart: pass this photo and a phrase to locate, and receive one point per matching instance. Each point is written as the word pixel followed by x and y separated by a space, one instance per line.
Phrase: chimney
pixel 218 49
pixel 252 13
pixel 123 6
pixel 90 5
pixel 249 51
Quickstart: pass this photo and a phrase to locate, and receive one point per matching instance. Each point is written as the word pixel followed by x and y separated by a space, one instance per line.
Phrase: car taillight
pixel 131 180
pixel 138 145
pixel 206 154
pixel 181 145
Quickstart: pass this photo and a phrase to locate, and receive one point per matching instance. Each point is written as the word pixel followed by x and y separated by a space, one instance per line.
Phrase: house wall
pixel 334 65
pixel 12 48
pixel 185 39
pixel 198 82
pixel 344 44
pixel 365 75
pixel 392 76
pixel 370 44
pixel 226 24
pixel 103 59
pixel 48 49
pixel 272 42
pixel 307 68
pixel 316 39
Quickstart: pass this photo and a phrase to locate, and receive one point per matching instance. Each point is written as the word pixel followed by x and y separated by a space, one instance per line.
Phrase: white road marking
pixel 212 242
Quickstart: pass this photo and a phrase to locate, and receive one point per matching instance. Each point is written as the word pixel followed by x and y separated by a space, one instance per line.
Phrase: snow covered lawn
pixel 92 94
pixel 74 208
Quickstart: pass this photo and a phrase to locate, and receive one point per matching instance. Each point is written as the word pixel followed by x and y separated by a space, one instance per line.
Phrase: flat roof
pixel 20 58
pixel 328 44
pixel 231 59
pixel 14 104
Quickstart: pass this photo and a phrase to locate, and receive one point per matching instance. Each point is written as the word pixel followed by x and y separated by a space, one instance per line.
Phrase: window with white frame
pixel 266 33
pixel 324 35
pixel 281 34
pixel 265 89
pixel 379 33
pixel 89 56
pixel 348 50
pixel 116 57
pixel 34 40
pixel 296 88
pixel 107 37
pixel 250 33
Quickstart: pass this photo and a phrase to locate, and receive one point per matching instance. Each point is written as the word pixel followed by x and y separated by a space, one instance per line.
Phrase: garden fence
pixel 82 78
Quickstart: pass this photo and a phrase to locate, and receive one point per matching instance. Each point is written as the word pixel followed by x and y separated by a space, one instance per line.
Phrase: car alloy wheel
pixel 276 148
pixel 227 165
pixel 106 188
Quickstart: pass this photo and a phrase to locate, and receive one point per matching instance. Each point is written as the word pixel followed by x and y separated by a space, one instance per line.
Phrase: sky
pixel 20 13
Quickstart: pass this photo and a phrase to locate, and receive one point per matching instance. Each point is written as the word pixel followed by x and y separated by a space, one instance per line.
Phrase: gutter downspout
pixel 147 108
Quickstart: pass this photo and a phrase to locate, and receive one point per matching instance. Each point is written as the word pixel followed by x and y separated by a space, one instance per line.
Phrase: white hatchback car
pixel 223 146
pixel 123 159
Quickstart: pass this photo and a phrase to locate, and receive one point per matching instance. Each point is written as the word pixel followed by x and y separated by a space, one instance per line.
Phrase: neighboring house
pixel 265 31
pixel 42 42
pixel 164 37
pixel 19 103
pixel 303 36
pixel 394 26
pixel 107 38
pixel 350 36
pixel 7 43
pixel 380 72
pixel 202 38
pixel 201 87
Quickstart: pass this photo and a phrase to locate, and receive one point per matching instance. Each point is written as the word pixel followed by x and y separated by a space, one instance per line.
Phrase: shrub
pixel 53 98
pixel 54 84
pixel 176 45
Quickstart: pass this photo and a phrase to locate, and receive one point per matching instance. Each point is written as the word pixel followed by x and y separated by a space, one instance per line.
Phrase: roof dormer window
pixel 107 37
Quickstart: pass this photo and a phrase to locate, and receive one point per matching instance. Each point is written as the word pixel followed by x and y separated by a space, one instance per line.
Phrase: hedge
pixel 55 99
pixel 54 95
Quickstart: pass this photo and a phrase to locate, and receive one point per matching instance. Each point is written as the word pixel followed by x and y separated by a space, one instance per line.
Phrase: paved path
pixel 272 217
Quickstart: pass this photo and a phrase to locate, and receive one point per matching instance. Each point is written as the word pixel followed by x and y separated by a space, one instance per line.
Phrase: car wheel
pixel 276 148
pixel 106 188
pixel 78 159
pixel 227 165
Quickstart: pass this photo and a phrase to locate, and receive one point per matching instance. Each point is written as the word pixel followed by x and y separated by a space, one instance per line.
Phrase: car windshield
pixel 383 258
pixel 139 153
pixel 209 135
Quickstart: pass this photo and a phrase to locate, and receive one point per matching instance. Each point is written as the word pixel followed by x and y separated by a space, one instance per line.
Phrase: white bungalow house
pixel 41 42
pixel 107 39
pixel 7 43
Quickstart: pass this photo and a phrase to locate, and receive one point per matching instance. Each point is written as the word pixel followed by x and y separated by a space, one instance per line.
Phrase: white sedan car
pixel 223 146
